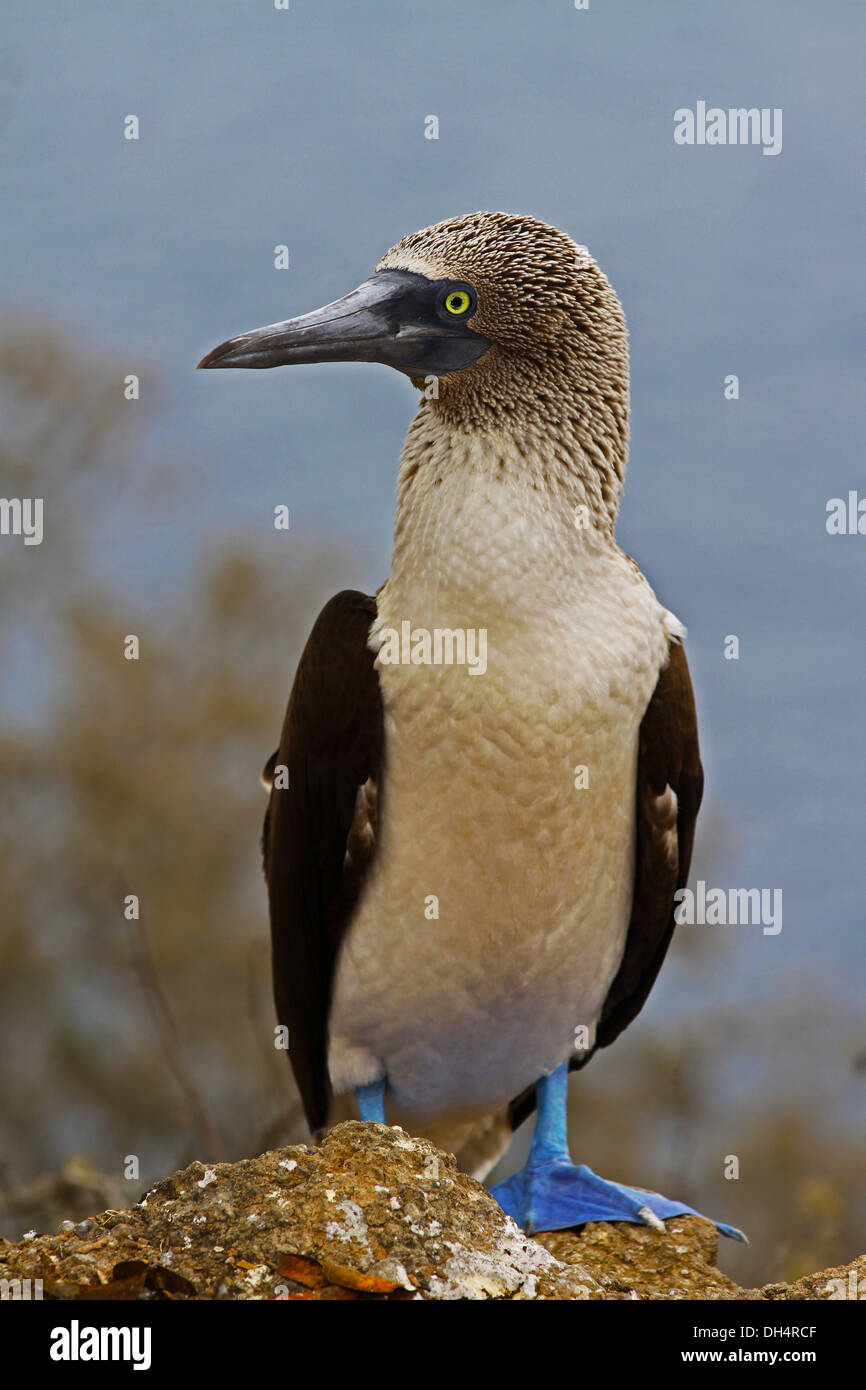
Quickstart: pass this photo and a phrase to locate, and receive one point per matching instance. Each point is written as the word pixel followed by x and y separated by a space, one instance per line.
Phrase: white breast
pixel 530 875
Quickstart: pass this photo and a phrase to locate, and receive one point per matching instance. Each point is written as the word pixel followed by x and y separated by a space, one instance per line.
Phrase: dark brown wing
pixel 319 835
pixel 670 784
pixel 668 762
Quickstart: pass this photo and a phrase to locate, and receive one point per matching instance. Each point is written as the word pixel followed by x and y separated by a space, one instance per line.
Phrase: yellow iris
pixel 457 302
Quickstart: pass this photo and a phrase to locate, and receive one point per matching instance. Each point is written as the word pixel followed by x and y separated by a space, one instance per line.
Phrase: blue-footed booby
pixel 471 864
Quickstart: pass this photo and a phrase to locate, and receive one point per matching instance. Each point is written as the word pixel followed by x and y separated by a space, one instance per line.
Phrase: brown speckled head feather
pixel 556 376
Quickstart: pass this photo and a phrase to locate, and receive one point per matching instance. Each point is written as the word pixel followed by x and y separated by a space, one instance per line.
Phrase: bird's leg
pixel 371 1101
pixel 550 1193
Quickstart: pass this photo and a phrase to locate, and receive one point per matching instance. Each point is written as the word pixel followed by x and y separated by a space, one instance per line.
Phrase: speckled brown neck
pixel 552 391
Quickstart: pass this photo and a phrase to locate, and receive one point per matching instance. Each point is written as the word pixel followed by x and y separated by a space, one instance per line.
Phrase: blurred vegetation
pixel 154 1038
pixel 149 1037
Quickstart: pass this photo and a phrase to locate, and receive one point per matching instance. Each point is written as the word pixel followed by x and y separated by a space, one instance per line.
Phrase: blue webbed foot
pixel 559 1194
pixel 551 1193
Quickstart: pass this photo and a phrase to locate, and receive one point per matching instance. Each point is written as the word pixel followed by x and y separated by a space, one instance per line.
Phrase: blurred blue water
pixel 260 127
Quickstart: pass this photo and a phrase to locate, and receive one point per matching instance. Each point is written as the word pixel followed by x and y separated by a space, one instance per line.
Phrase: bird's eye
pixel 457 302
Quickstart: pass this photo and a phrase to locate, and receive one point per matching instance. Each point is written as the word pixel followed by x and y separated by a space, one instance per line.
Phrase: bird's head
pixel 514 319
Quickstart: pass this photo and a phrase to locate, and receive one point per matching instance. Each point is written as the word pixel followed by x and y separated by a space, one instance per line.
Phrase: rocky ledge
pixel 372 1214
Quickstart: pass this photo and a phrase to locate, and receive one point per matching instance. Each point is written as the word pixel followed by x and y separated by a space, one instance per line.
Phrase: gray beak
pixel 393 318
